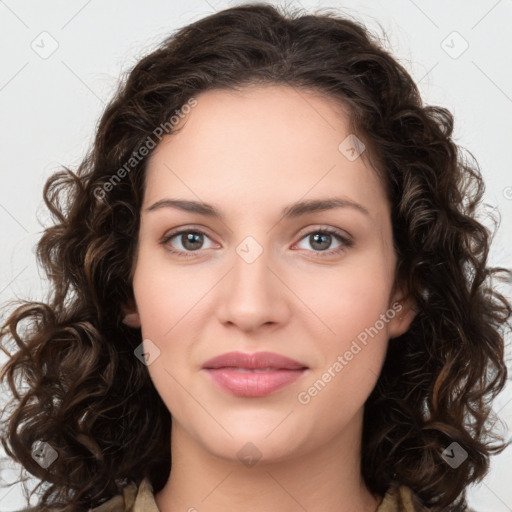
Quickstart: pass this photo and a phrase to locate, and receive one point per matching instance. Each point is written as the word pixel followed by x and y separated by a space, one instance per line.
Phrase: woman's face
pixel 261 276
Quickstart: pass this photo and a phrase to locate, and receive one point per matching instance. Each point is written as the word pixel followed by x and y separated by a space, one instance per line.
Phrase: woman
pixel 270 288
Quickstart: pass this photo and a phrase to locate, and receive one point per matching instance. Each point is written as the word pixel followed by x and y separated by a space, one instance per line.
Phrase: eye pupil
pixel 316 238
pixel 190 238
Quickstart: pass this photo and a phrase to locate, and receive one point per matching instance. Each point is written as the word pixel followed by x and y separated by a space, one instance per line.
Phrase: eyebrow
pixel 291 211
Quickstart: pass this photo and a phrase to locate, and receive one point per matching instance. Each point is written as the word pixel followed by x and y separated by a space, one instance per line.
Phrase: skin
pixel 250 153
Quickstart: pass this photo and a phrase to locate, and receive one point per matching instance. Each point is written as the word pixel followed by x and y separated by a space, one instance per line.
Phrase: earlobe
pixel 131 315
pixel 405 313
pixel 132 320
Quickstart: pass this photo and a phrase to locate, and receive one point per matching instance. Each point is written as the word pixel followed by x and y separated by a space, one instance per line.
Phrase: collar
pixel 141 499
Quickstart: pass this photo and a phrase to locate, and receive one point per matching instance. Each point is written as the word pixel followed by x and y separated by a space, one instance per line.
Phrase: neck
pixel 325 478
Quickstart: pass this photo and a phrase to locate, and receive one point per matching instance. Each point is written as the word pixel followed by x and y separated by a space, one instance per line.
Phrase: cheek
pixel 166 294
pixel 350 297
pixel 171 310
pixel 350 364
pixel 355 310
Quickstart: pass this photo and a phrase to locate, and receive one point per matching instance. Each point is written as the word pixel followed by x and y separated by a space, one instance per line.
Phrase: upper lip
pixel 257 360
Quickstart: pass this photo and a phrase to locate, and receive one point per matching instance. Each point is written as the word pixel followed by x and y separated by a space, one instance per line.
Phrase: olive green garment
pixel 397 499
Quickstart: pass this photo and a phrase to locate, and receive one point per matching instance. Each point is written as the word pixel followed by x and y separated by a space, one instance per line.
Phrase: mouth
pixel 248 370
pixel 253 375
pixel 253 383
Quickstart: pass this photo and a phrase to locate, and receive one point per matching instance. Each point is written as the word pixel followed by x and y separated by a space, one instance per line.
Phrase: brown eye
pixel 191 240
pixel 321 240
pixel 185 241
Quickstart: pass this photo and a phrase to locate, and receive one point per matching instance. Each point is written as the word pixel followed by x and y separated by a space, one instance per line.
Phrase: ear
pixel 131 315
pixel 405 311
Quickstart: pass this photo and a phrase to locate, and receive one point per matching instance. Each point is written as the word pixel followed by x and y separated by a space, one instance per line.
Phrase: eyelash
pixel 345 242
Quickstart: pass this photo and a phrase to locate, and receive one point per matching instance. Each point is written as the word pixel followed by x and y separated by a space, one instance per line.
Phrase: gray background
pixel 50 103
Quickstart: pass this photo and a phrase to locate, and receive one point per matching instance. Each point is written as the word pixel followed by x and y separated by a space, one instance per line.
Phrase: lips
pixel 253 375
pixel 256 361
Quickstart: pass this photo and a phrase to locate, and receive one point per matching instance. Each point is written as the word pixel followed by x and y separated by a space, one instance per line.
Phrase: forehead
pixel 261 145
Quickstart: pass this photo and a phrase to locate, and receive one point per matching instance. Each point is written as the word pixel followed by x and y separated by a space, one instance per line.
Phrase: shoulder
pixel 133 499
pixel 400 498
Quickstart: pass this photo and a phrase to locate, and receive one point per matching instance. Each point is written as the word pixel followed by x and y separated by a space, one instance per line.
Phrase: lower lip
pixel 253 384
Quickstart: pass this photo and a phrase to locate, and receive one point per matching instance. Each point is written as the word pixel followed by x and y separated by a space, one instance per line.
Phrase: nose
pixel 253 294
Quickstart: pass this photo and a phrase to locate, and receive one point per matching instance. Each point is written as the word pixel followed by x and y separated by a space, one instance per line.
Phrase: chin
pixel 253 444
pixel 247 451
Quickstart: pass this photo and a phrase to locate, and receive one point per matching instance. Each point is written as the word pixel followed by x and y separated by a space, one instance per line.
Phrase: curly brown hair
pixel 72 372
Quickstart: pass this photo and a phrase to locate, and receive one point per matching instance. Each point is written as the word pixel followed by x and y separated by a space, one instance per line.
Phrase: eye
pixel 188 241
pixel 321 240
